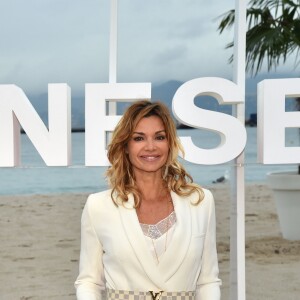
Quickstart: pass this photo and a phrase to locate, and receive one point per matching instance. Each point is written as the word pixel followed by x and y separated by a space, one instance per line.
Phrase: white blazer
pixel 115 255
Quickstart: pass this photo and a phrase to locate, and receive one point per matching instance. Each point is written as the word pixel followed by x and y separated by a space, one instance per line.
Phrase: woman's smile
pixel 150 158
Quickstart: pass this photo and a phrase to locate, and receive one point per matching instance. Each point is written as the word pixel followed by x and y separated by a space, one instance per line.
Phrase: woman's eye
pixel 138 138
pixel 161 137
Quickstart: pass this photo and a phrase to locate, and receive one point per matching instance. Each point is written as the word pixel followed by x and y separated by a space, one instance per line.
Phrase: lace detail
pixel 157 230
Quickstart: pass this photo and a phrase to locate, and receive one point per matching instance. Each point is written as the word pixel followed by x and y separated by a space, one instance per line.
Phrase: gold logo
pixel 155 296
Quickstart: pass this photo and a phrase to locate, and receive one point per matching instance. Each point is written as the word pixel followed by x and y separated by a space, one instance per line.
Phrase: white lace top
pixel 159 235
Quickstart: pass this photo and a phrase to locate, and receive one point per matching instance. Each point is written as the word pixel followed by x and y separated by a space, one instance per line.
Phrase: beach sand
pixel 40 240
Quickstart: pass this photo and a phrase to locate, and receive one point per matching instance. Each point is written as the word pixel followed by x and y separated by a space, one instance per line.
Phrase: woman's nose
pixel 150 145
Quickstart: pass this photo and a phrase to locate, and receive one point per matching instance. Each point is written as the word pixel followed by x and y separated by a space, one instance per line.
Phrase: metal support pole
pixel 113 42
pixel 237 207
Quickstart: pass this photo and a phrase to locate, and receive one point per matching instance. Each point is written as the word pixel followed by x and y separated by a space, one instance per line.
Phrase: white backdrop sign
pixel 54 144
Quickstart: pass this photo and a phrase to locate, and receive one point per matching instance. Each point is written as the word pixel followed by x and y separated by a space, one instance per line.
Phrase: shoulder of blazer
pixel 194 196
pixel 100 200
pixel 208 196
pixel 206 202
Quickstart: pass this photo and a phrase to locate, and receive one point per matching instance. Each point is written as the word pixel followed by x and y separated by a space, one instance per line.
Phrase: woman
pixel 151 236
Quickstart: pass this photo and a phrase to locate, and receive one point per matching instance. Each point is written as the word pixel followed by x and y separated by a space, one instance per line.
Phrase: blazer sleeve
pixel 90 283
pixel 208 284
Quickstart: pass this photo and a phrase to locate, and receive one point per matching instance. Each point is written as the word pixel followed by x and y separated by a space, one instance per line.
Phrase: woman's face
pixel 148 147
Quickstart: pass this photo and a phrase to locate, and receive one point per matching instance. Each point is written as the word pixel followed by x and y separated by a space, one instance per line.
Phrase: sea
pixel 34 177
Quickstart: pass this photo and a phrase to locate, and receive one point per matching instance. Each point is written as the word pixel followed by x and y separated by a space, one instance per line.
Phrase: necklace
pixel 167 230
pixel 154 231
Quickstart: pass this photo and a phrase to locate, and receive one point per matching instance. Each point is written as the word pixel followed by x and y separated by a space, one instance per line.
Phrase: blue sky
pixel 67 41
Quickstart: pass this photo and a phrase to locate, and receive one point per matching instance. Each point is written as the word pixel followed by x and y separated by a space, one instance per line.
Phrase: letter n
pixel 54 145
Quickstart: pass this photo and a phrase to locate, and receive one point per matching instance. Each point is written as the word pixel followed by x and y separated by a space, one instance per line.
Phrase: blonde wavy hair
pixel 120 174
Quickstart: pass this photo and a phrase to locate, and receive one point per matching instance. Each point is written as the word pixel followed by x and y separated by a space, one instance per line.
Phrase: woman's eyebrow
pixel 142 133
pixel 160 131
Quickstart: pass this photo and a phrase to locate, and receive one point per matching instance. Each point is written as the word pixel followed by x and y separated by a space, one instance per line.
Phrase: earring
pixel 166 172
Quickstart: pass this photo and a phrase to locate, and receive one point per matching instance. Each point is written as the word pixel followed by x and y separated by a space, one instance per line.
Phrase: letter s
pixel 232 131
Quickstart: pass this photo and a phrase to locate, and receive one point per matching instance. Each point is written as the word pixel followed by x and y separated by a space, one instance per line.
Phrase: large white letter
pixel 273 119
pixel 232 132
pixel 97 122
pixel 54 145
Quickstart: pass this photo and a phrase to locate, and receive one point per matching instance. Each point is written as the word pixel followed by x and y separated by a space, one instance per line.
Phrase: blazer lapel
pixel 181 239
pixel 177 249
pixel 138 243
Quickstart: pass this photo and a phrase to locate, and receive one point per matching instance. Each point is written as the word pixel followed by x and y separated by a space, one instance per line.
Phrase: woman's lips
pixel 150 157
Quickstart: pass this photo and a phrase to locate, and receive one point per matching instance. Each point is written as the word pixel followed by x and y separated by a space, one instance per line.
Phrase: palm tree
pixel 273 34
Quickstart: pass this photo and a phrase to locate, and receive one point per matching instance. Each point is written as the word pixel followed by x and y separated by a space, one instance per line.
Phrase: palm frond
pixel 273 32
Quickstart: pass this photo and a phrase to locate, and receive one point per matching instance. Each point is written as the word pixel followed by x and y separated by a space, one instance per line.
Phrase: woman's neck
pixel 152 188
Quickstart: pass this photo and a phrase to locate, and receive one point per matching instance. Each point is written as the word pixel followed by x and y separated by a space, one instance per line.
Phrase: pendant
pixel 155 296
